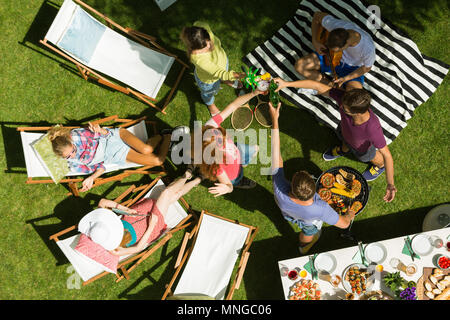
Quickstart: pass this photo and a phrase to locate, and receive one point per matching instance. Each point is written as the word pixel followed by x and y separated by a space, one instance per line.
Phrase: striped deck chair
pixel 401 79
pixel 125 60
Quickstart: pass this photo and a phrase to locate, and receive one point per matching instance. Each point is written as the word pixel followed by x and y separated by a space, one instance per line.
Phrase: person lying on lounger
pixel 359 130
pixel 356 45
pixel 87 150
pixel 137 228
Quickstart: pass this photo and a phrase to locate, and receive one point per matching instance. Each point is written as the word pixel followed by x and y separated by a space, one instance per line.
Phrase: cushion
pixel 56 167
pixel 97 253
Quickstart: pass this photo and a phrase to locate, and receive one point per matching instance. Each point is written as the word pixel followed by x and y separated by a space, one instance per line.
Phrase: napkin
pixel 308 268
pixel 406 251
pixel 357 257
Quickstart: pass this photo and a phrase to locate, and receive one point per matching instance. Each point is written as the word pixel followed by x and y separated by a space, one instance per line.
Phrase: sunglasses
pixel 74 150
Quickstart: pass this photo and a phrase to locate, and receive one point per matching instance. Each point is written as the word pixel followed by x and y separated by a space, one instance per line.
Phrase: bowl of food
pixel 443 262
pixel 356 279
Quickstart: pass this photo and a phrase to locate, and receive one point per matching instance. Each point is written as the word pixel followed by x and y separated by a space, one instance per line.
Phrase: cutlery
pixel 361 252
pixel 408 246
pixel 313 270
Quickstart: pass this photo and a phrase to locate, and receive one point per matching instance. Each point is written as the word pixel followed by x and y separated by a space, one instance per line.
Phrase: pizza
pixel 327 180
pixel 325 194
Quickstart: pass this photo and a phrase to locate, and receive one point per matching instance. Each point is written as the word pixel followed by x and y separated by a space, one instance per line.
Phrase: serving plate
pixel 325 262
pixel 375 252
pixel 421 245
pixel 347 285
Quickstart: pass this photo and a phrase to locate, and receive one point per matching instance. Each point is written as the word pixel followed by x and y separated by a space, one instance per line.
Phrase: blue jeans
pixel 307 230
pixel 342 69
pixel 208 90
pixel 247 153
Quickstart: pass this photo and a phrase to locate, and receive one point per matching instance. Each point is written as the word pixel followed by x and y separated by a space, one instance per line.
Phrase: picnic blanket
pixel 401 79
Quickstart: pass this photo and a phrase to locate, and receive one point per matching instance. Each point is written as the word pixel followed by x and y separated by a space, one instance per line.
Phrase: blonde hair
pixel 60 138
pixel 126 238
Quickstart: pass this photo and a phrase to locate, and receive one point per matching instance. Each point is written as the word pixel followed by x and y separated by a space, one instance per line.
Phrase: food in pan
pixel 325 194
pixel 346 175
pixel 356 187
pixel 356 206
pixel 327 180
pixel 305 290
pixel 349 194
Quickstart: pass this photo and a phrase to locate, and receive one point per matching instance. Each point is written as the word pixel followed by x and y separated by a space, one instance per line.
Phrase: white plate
pixel 325 262
pixel 375 252
pixel 421 245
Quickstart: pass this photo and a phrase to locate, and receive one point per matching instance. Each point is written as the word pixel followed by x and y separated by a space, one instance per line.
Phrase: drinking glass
pixel 397 264
pixel 284 271
pixel 437 242
pixel 293 274
pixel 411 269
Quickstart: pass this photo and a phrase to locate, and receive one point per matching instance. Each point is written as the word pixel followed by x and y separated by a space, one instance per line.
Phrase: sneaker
pixel 305 249
pixel 373 172
pixel 237 84
pixel 246 183
pixel 333 153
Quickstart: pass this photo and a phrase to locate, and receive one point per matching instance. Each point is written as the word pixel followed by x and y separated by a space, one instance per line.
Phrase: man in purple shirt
pixel 359 130
pixel 298 201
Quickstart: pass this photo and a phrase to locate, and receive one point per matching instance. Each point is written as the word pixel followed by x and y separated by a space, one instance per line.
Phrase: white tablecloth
pixel 344 258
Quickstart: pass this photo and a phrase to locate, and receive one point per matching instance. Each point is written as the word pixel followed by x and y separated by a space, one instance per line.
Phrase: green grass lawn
pixel 37 86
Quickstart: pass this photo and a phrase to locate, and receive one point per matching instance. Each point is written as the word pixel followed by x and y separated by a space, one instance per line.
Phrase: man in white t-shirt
pixel 357 46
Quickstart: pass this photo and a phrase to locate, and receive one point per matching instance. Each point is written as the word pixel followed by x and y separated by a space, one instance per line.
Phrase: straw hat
pixel 104 227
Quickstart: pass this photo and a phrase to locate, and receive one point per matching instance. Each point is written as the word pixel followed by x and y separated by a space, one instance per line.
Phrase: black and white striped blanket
pixel 401 79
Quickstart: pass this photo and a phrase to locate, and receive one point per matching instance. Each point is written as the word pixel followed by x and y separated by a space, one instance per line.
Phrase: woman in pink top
pixel 221 159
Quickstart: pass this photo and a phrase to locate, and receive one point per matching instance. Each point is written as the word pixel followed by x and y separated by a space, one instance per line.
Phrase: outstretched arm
pixel 239 101
pixel 307 84
pixel 277 161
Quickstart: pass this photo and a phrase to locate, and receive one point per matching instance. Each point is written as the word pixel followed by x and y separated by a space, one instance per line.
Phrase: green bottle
pixel 273 96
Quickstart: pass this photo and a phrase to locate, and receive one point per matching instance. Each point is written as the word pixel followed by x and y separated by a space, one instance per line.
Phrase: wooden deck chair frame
pixel 74 181
pixel 185 253
pixel 142 38
pixel 131 263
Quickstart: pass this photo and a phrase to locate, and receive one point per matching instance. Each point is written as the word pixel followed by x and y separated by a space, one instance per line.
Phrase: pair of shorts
pixel 116 150
pixel 342 69
pixel 247 153
pixel 208 90
pixel 307 229
pixel 363 157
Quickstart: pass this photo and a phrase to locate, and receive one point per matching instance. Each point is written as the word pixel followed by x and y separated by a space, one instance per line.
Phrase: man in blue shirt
pixel 298 200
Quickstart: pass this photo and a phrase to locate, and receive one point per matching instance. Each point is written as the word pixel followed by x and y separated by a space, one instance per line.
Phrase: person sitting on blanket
pixel 298 200
pixel 205 51
pixel 141 224
pixel 359 130
pixel 220 158
pixel 87 150
pixel 357 46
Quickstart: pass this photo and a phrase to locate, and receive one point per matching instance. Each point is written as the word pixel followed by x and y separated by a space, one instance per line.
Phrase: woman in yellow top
pixel 211 63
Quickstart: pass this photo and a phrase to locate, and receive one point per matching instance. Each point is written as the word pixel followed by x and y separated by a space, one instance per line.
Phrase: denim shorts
pixel 116 150
pixel 247 153
pixel 342 69
pixel 208 90
pixel 307 229
pixel 363 157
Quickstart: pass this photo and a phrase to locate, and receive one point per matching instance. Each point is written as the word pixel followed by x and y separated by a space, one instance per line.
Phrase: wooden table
pixel 344 258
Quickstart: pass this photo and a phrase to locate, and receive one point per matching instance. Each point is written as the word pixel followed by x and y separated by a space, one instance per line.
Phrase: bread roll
pixel 433 279
pixel 429 294
pixel 428 286
pixel 445 295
